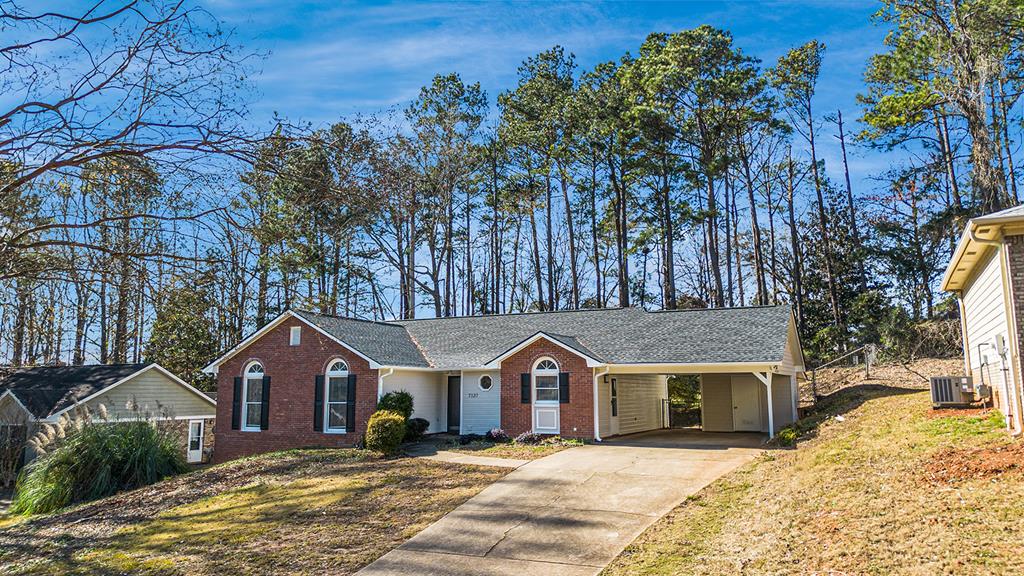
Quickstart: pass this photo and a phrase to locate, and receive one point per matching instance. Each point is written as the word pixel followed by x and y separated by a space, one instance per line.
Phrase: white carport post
pixel 766 379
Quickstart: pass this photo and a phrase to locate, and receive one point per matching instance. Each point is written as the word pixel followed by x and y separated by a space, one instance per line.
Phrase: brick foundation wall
pixel 180 429
pixel 292 371
pixel 576 419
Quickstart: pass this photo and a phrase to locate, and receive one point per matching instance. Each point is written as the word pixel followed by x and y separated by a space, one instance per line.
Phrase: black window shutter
pixel 236 405
pixel 350 417
pixel 318 404
pixel 265 406
pixel 524 389
pixel 563 387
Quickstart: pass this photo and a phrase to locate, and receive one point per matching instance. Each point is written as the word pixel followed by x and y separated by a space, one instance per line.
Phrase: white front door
pixel 545 398
pixel 195 441
pixel 746 404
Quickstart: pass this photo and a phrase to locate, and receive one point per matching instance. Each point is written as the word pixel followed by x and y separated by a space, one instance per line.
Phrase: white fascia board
pixel 96 394
pixel 693 368
pixel 213 366
pixel 374 365
pixel 56 416
pixel 188 386
pixel 31 416
pixel 496 362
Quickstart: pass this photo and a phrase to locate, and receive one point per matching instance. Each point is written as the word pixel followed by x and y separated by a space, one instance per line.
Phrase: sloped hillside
pixel 879 484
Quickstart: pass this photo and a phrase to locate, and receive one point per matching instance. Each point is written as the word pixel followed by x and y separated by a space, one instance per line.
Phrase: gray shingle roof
pixel 44 390
pixel 387 344
pixel 618 336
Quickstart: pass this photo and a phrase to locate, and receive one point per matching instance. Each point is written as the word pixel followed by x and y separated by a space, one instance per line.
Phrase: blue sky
pixel 331 60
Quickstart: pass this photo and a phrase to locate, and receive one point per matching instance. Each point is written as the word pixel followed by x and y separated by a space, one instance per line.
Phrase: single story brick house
pixel 43 394
pixel 307 379
pixel 986 272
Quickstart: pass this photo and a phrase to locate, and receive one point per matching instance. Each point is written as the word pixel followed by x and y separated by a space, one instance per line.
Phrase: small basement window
pixel 295 336
pixel 485 383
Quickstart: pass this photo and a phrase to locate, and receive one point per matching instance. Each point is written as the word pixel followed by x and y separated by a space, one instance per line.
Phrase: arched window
pixel 486 383
pixel 336 397
pixel 252 397
pixel 545 380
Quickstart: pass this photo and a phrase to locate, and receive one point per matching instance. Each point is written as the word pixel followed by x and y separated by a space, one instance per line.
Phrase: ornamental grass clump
pixel 84 458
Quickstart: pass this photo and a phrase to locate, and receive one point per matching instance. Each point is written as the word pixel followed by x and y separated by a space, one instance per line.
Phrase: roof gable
pixel 47 390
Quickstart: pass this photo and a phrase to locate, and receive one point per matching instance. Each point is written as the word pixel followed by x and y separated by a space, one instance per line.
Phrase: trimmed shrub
pixel 95 459
pixel 415 428
pixel 529 438
pixel 497 435
pixel 400 402
pixel 384 431
pixel 470 438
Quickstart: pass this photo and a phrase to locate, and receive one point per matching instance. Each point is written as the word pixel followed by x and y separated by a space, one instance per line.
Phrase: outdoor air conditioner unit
pixel 952 390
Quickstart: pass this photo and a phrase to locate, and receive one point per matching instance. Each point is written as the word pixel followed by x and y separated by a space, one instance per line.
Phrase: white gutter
pixel 597 405
pixel 381 375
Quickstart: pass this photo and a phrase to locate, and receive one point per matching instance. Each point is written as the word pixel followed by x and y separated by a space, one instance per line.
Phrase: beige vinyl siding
pixel 11 411
pixel 481 409
pixel 716 402
pixel 985 318
pixel 429 394
pixel 782 401
pixel 791 355
pixel 155 393
pixel 641 401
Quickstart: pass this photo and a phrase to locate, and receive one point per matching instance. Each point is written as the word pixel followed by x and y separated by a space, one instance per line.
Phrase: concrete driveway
pixel 570 513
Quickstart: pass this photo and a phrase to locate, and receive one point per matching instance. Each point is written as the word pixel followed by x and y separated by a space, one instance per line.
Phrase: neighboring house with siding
pixel 308 379
pixel 986 273
pixel 44 394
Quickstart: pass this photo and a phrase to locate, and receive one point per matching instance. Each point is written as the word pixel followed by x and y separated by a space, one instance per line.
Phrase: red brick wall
pixel 292 371
pixel 576 418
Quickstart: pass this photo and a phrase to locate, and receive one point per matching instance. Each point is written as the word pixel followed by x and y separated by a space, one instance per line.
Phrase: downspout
pixel 380 381
pixel 963 332
pixel 597 405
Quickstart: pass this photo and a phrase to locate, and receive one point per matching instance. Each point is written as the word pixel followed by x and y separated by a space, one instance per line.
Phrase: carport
pixel 751 398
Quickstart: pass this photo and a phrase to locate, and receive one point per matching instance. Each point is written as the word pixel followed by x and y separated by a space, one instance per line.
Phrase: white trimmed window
pixel 336 397
pixel 295 336
pixel 486 383
pixel 252 397
pixel 545 380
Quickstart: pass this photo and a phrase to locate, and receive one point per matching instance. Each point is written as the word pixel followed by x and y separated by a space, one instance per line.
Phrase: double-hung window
pixel 336 397
pixel 252 397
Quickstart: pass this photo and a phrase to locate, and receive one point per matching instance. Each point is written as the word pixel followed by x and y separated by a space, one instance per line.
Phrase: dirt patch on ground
pixel 953 466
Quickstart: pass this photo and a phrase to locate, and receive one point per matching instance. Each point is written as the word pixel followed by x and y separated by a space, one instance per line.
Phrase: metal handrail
pixel 869 351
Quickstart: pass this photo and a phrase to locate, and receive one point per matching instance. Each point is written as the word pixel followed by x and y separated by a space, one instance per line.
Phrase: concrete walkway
pixel 570 513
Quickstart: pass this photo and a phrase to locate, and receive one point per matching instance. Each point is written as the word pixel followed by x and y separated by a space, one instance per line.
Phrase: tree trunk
pixel 854 225
pixel 761 297
pixel 711 233
pixel 794 235
pixel 833 294
pixel 573 270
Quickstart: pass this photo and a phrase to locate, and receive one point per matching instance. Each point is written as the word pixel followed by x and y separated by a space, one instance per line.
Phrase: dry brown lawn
pixel 298 512
pixel 512 450
pixel 890 488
